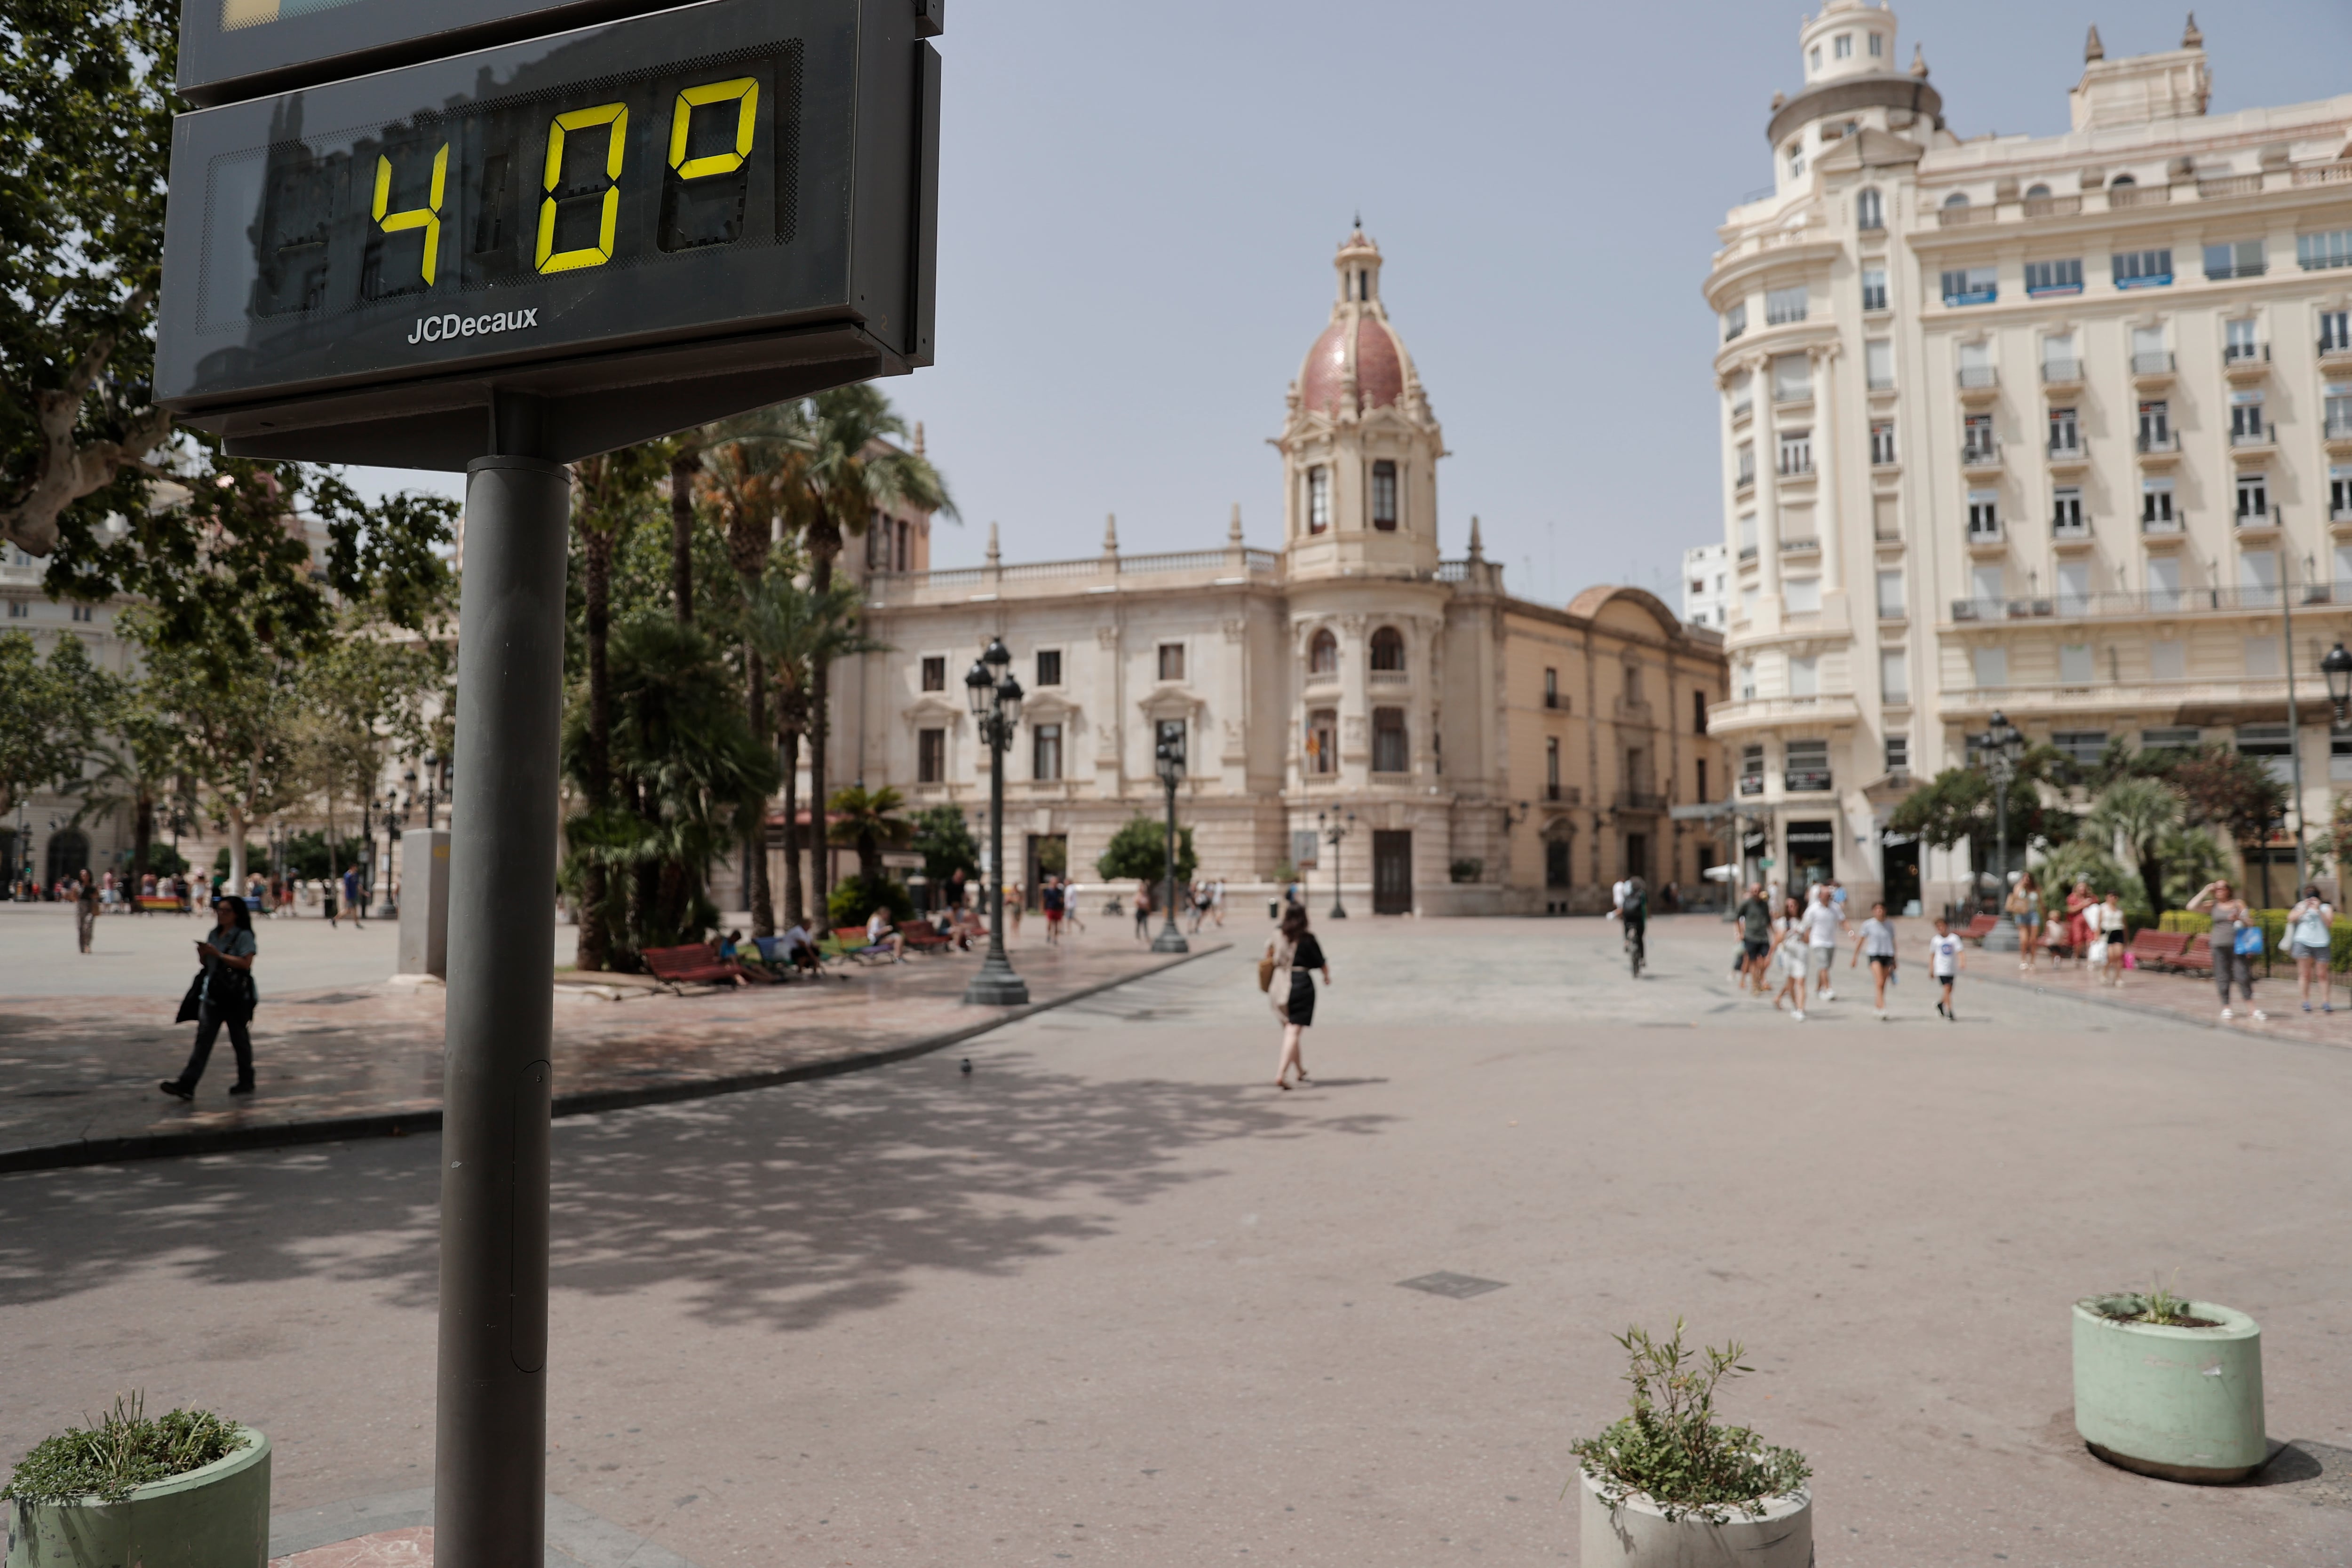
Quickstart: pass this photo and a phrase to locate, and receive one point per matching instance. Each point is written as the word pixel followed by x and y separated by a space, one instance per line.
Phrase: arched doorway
pixel 68 855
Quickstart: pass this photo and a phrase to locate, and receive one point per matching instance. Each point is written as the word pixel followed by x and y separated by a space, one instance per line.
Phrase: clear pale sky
pixel 1140 204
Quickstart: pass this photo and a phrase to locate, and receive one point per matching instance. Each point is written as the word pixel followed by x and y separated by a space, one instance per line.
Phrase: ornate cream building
pixel 1495 755
pixel 2048 424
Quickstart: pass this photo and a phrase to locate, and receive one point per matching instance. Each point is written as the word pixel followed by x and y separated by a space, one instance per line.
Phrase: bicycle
pixel 1637 945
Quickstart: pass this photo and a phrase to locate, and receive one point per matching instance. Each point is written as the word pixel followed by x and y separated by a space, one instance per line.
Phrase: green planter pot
pixel 213 1517
pixel 2184 1403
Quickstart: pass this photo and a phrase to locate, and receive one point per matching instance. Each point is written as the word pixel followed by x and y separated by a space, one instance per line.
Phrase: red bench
pixel 1978 925
pixel 2160 949
pixel 2198 954
pixel 921 938
pixel 693 965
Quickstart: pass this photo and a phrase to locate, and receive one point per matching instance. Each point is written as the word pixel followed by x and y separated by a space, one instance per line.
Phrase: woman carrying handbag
pixel 2235 941
pixel 222 994
pixel 1282 976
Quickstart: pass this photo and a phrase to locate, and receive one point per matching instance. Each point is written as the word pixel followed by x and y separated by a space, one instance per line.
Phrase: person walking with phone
pixel 2233 922
pixel 222 994
pixel 1291 990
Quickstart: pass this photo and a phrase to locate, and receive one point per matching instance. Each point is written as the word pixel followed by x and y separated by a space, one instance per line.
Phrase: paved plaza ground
pixel 1111 1298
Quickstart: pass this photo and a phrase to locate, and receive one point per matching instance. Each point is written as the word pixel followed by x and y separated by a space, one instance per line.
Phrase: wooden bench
pixel 692 965
pixel 158 904
pixel 2160 949
pixel 851 942
pixel 1977 927
pixel 921 938
pixel 2198 955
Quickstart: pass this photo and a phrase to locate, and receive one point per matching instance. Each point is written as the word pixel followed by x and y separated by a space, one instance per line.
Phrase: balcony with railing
pixel 1796 461
pixel 1987 534
pixel 2067 451
pixel 2338 433
pixel 2126 603
pixel 2334 352
pixel 2122 196
pixel 2258 439
pixel 1090 574
pixel 2245 361
pixel 1806 546
pixel 2254 520
pixel 2152 526
pixel 2157 444
pixel 1648 802
pixel 2053 206
pixel 1980 455
pixel 2070 529
pixel 1965 217
pixel 2152 365
pixel 1978 378
pixel 2060 374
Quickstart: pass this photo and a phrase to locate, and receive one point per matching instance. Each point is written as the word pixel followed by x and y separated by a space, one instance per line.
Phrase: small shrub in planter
pixel 2170 1387
pixel 184 1490
pixel 1670 1484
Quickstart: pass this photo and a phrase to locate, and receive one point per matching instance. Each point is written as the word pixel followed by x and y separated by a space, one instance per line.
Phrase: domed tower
pixel 1360 445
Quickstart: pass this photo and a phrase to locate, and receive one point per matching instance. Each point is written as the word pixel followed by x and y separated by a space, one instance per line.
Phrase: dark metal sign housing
pixel 636 226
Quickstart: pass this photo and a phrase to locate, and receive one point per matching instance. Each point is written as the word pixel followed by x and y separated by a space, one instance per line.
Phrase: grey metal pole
pixel 1170 940
pixel 1339 887
pixel 491 1441
pixel 2293 720
pixel 996 985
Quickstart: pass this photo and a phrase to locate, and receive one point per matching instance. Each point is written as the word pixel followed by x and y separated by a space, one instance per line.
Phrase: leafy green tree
pixel 2140 813
pixel 869 821
pixel 1956 807
pixel 798 631
pixel 856 897
pixel 138 769
pixel 2227 790
pixel 51 711
pixel 612 496
pixel 235 715
pixel 944 840
pixel 1138 852
pixel 2192 857
pixel 370 696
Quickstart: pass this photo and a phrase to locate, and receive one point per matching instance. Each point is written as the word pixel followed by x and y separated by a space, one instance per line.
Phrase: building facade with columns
pixel 2058 426
pixel 1489 754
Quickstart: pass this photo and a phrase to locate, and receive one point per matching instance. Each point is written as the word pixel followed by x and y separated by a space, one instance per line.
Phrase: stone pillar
pixel 1825 514
pixel 1355 708
pixel 1766 426
pixel 424 903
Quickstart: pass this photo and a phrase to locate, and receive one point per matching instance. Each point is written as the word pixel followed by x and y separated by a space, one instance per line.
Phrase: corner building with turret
pixel 1486 754
pixel 2057 426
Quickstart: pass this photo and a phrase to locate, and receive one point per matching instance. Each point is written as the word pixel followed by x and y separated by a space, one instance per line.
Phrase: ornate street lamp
pixel 1336 827
pixel 2337 667
pixel 432 780
pixel 996 700
pixel 2002 745
pixel 395 814
pixel 1167 760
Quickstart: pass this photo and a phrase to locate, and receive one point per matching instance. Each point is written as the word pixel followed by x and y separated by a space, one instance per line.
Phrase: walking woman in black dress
pixel 1295 952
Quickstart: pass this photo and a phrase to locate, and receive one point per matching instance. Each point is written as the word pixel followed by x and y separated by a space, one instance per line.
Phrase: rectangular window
pixel 1894 676
pixel 1984 514
pixel 1045 753
pixel 2083 746
pixel 1805 673
pixel 1748 536
pixel 2340 502
pixel 1390 753
pixel 1748 601
pixel 1882 442
pixel 2167 660
pixel 2074 587
pixel 935 673
pixel 1551 687
pixel 1743 394
pixel 1318 499
pixel 20 610
pixel 2272 746
pixel 1702 784
pixel 1878 363
pixel 1384 495
pixel 1806 765
pixel 2155 427
pixel 1898 754
pixel 2059 362
pixel 1804 595
pixel 1976 444
pixel 2334 332
pixel 1784 306
pixel 2166 737
pixel 1323 741
pixel 1877 45
pixel 1971 286
pixel 2067 509
pixel 2245 418
pixel 1735 321
pixel 1992 666
pixel 1792 378
pixel 1172 661
pixel 2066 432
pixel 2236 259
pixel 1796 452
pixel 2333 248
pixel 1746 455
pixel 1890 596
pixel 2143 268
pixel 2337 411
pixel 2054 276
pixel 1984 583
pixel 1751 770
pixel 2074 664
pixel 1698 712
pixel 1874 289
pixel 2155 502
pixel 2258 578
pixel 1842 46
pixel 81 612
pixel 2253 498
pixel 930 755
pixel 1551 767
pixel 2164 582
pixel 1049 666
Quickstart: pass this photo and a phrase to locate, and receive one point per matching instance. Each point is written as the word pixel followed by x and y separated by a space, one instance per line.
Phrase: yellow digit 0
pixel 615 115
pixel 426 217
pixel 744 91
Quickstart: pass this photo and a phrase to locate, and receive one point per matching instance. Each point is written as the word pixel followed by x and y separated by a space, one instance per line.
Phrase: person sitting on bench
pixel 799 949
pixel 880 933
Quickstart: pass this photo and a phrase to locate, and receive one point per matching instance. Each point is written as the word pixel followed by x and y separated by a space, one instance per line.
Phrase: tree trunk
pixel 595 939
pixel 142 839
pixel 795 906
pixel 683 466
pixel 755 850
pixel 236 849
pixel 824 544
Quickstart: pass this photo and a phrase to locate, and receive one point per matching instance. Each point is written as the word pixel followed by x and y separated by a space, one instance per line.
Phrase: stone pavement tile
pixel 81 1072
pixel 411 1548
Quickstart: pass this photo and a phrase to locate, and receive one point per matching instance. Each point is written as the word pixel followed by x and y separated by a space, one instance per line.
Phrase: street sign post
pixel 601 222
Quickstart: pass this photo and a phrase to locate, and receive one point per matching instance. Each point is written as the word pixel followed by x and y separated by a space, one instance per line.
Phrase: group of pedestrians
pixel 1798 942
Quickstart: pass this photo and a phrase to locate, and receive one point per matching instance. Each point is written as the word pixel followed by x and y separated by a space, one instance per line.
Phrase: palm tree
pixel 685 454
pixel 796 632
pixel 867 819
pixel 2140 811
pixel 610 495
pixel 852 466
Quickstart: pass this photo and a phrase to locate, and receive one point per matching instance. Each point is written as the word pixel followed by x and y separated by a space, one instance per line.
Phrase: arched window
pixel 2037 192
pixel 1388 649
pixel 2120 180
pixel 1869 211
pixel 1323 654
pixel 1956 199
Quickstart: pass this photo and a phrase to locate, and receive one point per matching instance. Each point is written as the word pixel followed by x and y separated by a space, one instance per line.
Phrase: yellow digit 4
pixel 744 91
pixel 615 115
pixel 426 217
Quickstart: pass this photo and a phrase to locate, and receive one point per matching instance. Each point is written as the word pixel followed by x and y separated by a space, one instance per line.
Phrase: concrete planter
pixel 2184 1403
pixel 213 1517
pixel 1635 1532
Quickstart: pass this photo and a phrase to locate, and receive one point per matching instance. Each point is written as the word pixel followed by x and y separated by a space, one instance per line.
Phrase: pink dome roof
pixel 1380 366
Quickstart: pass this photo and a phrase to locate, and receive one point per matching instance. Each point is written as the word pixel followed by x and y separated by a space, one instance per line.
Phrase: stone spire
pixel 918 438
pixel 1233 531
pixel 1478 548
pixel 995 559
pixel 1110 533
pixel 2190 38
pixel 1919 62
pixel 2092 48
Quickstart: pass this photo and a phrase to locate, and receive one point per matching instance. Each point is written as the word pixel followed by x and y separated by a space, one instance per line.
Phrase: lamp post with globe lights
pixel 1336 827
pixel 1168 759
pixel 2002 744
pixel 2337 667
pixel 996 700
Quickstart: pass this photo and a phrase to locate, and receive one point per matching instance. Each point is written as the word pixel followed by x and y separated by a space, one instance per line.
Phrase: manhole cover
pixel 1460 1287
pixel 331 999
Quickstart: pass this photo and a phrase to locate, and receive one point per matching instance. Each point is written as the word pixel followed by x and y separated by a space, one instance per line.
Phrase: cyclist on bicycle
pixel 1632 913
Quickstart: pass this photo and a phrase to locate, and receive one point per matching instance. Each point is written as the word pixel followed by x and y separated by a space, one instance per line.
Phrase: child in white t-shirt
pixel 1877 942
pixel 1945 960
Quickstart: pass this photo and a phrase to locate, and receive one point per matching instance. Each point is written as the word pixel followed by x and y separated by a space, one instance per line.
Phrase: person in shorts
pixel 1789 950
pixel 1755 917
pixel 1876 943
pixel 2310 928
pixel 1824 924
pixel 1945 961
pixel 1055 900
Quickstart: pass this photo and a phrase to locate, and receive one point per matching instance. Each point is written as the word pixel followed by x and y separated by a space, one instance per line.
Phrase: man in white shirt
pixel 1824 924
